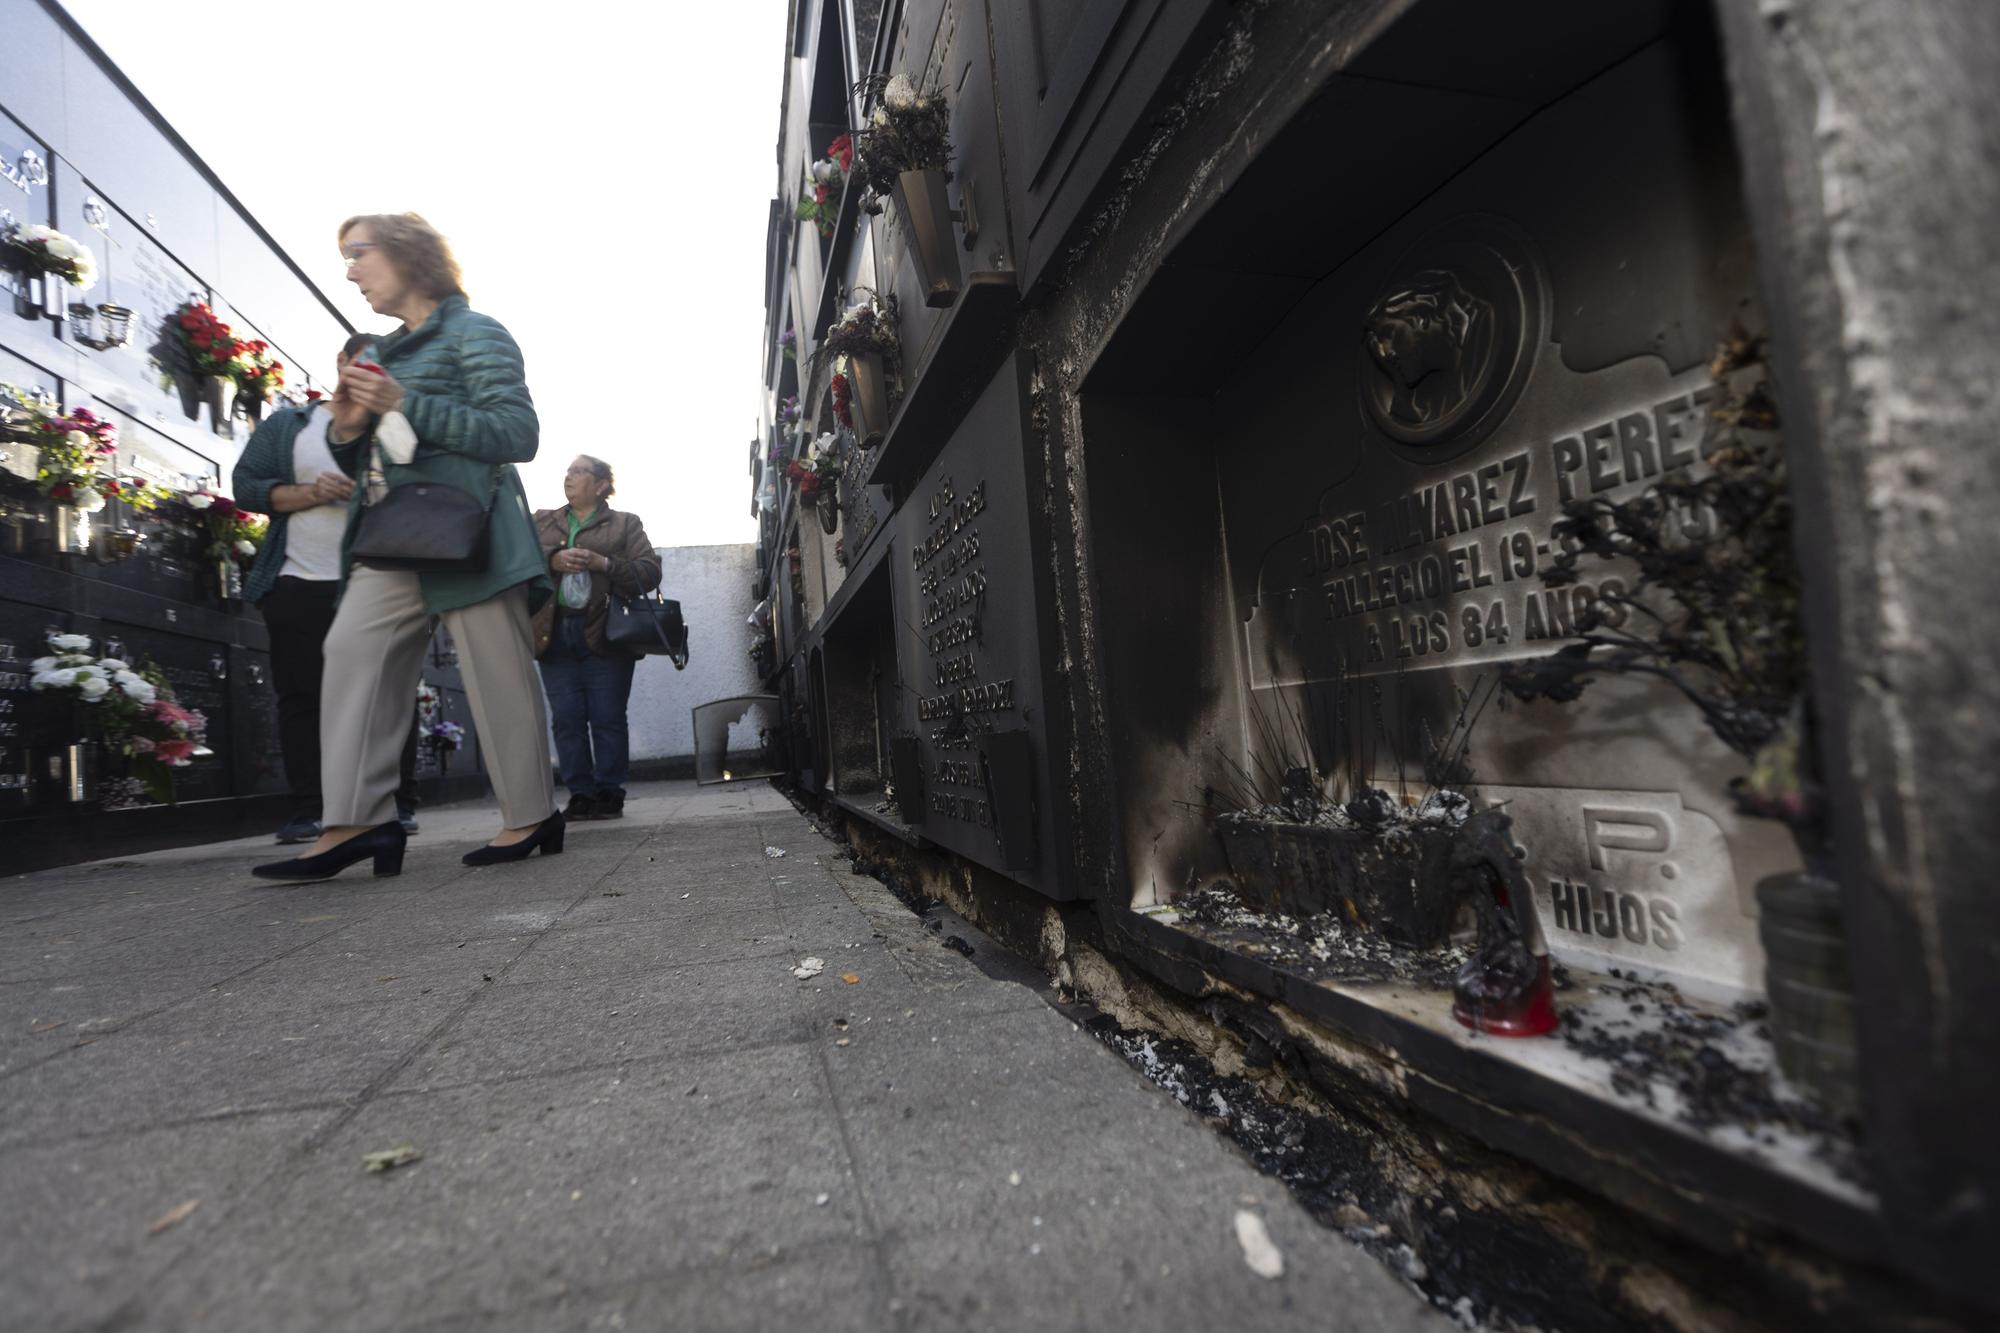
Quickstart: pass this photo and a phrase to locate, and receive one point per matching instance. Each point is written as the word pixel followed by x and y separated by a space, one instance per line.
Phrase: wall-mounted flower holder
pixel 828 510
pixel 100 327
pixel 220 394
pixel 920 197
pixel 30 294
pixel 869 405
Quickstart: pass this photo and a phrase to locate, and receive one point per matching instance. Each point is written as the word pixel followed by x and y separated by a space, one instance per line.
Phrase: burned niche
pixel 1331 557
pixel 969 646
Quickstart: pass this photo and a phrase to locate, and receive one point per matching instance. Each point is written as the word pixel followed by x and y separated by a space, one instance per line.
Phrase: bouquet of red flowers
pixel 203 343
pixel 826 181
pixel 815 474
pixel 233 533
pixel 258 375
pixel 71 449
pixel 840 389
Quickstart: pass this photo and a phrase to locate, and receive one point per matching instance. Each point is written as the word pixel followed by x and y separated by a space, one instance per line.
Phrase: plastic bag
pixel 575 590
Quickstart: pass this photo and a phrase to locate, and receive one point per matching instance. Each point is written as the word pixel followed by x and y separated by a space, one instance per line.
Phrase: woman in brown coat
pixel 588 682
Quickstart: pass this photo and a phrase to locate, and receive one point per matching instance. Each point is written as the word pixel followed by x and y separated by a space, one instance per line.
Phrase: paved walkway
pixel 630 1114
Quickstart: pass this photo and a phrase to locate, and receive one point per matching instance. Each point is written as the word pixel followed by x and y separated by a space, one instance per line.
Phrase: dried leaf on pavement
pixel 809 967
pixel 851 978
pixel 173 1216
pixel 401 1155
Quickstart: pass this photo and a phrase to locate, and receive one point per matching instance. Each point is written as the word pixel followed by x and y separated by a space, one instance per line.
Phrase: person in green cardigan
pixel 442 400
pixel 289 472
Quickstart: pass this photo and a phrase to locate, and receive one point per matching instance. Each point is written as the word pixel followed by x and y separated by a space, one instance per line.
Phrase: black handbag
pixel 648 624
pixel 426 527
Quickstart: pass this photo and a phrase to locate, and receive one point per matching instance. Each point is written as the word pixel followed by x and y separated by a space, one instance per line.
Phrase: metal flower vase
pixel 1810 988
pixel 828 508
pixel 228 580
pixel 220 393
pixel 926 212
pixel 191 391
pixel 30 294
pixel 868 405
pixel 62 764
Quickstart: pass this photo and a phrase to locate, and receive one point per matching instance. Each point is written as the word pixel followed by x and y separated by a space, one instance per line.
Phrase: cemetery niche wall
pixel 84 153
pixel 1224 496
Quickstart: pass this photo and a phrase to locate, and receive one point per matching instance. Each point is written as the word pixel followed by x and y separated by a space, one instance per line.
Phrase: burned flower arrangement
pixel 1402 867
pixel 905 152
pixel 864 341
pixel 1715 613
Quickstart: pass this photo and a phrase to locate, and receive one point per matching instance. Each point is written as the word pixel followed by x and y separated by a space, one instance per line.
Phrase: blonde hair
pixel 418 250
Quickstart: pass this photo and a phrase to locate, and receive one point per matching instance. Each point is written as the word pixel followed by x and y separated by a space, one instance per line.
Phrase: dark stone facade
pixel 1187 469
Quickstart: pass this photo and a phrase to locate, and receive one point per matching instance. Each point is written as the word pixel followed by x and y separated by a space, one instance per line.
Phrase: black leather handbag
pixel 648 624
pixel 426 527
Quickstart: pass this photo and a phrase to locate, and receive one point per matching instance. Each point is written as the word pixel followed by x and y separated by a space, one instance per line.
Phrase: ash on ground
pixel 1320 947
pixel 1709 1068
pixel 1332 1169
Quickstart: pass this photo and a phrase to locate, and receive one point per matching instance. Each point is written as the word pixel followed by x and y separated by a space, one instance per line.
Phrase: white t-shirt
pixel 312 536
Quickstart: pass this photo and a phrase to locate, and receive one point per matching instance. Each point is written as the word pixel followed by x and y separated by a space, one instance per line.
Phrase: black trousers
pixel 298 613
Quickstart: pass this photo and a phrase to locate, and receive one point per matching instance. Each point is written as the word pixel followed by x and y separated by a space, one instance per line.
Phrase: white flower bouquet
pixel 41 249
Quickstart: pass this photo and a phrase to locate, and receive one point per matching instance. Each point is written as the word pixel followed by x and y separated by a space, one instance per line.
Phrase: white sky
pixel 603 171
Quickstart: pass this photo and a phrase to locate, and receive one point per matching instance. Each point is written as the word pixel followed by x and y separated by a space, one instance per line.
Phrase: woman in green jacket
pixel 454 379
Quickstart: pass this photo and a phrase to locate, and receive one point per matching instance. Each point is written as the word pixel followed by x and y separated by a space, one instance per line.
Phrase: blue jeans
pixel 587 697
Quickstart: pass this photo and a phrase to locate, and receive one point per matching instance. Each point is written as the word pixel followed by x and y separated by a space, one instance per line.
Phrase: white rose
pixel 41 664
pixel 69 643
pixel 138 688
pixel 824 172
pixel 64 678
pixel 90 501
pixel 113 664
pixel 246 548
pixel 199 500
pixel 76 439
pixel 899 95
pixel 94 688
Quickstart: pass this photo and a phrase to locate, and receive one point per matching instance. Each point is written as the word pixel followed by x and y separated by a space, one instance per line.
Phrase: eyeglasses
pixel 581 472
pixel 351 254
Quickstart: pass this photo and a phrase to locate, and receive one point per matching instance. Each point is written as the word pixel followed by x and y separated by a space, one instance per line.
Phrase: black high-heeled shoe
pixel 384 842
pixel 547 837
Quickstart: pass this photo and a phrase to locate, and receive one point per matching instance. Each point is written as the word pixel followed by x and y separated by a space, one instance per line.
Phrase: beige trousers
pixel 374 660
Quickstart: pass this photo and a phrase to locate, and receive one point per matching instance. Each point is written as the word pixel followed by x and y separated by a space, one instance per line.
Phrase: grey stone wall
pixel 712 584
pixel 1872 161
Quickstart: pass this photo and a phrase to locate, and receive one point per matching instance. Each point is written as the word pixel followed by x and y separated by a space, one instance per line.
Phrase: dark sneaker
pixel 579 807
pixel 302 828
pixel 406 815
pixel 607 806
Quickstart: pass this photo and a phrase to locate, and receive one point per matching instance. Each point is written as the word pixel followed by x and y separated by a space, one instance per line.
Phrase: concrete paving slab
pixel 589 1020
pixel 632 1124
pixel 529 1187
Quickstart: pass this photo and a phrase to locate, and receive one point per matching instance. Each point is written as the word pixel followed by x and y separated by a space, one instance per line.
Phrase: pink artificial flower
pixel 142 745
pixel 177 753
